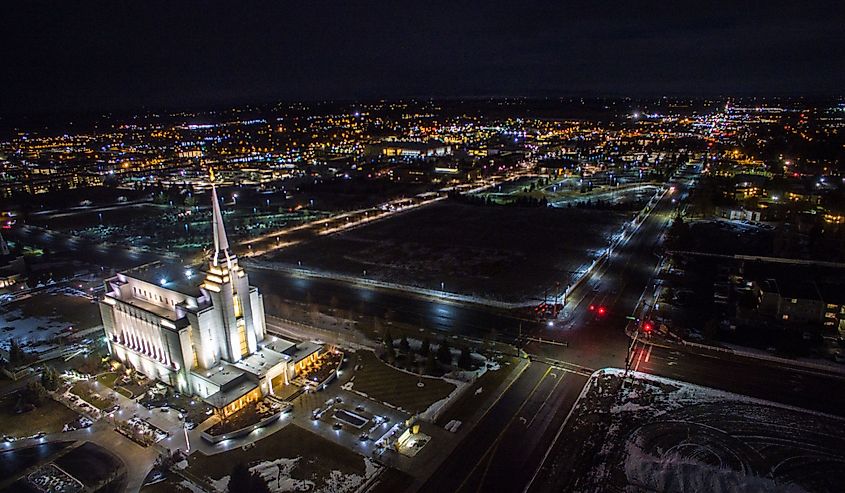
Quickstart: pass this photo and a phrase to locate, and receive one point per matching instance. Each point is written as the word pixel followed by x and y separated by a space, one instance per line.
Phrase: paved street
pixel 499 452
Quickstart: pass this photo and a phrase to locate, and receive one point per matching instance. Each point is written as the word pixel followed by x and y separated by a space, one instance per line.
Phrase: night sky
pixel 97 56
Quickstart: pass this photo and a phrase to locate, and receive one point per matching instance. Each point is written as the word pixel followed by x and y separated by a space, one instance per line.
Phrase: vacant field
pixel 729 238
pixel 663 435
pixel 292 459
pixel 86 218
pixel 75 310
pixel 384 384
pixel 42 316
pixel 505 253
pixel 50 417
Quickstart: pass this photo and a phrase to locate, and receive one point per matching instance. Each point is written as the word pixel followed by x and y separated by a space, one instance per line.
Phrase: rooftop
pixel 292 351
pixel 169 276
pixel 221 375
pixel 225 396
pixel 261 361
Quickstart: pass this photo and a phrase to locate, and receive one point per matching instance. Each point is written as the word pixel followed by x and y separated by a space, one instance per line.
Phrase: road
pixel 499 452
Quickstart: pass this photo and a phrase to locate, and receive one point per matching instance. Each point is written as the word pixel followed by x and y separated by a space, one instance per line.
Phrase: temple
pixel 205 336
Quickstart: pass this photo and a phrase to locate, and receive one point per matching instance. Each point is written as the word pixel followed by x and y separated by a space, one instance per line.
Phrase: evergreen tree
pixel 35 393
pixel 444 354
pixel 387 339
pixel 465 359
pixel 240 479
pixel 50 379
pixel 404 345
pixel 16 353
pixel 425 347
pixel 389 351
pixel 430 363
pixel 257 484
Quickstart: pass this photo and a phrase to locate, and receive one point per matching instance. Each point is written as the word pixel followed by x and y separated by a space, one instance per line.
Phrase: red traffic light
pixel 647 326
pixel 602 310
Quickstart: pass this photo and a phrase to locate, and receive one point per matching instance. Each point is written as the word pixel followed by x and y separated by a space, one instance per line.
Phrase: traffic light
pixel 647 327
pixel 592 308
pixel 602 310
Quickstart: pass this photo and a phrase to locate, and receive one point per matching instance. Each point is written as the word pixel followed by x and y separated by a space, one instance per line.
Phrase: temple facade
pixel 203 334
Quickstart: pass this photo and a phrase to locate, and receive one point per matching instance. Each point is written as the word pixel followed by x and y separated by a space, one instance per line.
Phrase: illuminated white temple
pixel 205 336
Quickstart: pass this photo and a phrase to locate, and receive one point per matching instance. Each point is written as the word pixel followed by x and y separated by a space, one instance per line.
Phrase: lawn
pixel 88 391
pixel 49 418
pixel 383 383
pixel 503 253
pixel 657 434
pixel 292 457
pixel 108 379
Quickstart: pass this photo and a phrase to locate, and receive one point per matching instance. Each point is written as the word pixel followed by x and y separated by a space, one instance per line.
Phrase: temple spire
pixel 221 243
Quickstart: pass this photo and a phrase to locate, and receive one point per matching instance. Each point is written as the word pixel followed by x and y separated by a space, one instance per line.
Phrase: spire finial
pixel 221 243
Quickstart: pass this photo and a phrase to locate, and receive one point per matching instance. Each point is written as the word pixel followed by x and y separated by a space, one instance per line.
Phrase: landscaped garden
pixel 130 386
pixel 94 393
pixel 408 392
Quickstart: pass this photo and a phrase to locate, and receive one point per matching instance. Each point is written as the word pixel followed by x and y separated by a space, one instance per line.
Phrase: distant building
pixel 738 214
pixel 833 295
pixel 797 302
pixel 205 338
pixel 12 267
pixel 415 149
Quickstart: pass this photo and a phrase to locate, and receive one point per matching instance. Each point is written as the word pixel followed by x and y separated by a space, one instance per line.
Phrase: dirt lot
pixel 504 253
pixel 658 434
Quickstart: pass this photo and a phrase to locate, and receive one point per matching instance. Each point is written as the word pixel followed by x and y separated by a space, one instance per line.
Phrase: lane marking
pixel 545 401
pixel 498 440
pixel 639 357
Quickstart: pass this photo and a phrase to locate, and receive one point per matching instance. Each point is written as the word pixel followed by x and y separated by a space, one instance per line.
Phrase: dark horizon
pixel 96 58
